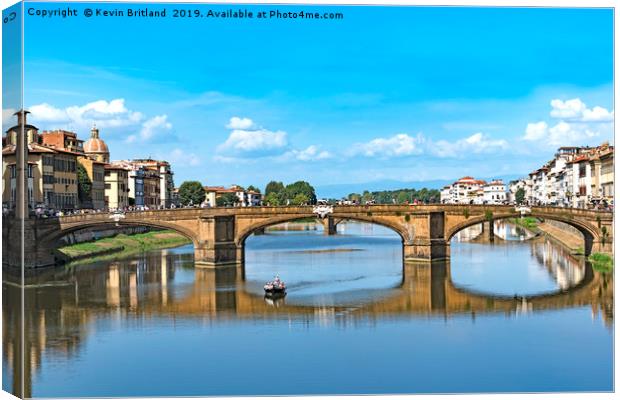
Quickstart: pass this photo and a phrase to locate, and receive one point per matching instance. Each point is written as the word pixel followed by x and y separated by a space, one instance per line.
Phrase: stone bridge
pixel 218 234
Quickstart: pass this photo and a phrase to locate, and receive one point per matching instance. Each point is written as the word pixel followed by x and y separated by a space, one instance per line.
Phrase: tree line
pixel 276 194
pixel 399 196
pixel 303 193
pixel 296 194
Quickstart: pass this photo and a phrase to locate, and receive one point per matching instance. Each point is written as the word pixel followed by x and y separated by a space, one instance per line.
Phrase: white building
pixel 577 177
pixel 494 192
pixel 514 186
pixel 581 181
pixel 245 198
pixel 445 196
pixel 466 190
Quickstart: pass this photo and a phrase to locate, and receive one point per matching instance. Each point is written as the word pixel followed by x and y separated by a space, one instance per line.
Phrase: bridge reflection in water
pixel 61 306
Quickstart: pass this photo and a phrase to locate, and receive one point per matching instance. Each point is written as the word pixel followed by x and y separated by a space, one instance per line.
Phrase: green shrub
pixel 601 262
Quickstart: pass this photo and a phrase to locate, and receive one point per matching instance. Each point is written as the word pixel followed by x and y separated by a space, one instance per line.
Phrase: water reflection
pixel 502 229
pixel 63 307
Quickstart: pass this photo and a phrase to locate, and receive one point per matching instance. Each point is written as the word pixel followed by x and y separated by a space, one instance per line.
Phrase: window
pixel 582 190
pixel 582 170
pixel 108 186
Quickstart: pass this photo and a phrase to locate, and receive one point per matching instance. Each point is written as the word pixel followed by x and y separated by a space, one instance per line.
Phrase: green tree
pixel 274 187
pixel 191 192
pixel 403 197
pixel 226 200
pixel 253 188
pixel 273 199
pixel 85 186
pixel 354 197
pixel 300 199
pixel 520 196
pixel 300 187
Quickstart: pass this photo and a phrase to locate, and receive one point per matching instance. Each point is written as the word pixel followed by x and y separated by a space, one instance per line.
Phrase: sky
pixel 386 93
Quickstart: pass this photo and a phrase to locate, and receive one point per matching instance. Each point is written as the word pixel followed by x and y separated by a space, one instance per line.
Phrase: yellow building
pixel 51 172
pixel 96 173
pixel 602 174
pixel 152 190
pixel 116 187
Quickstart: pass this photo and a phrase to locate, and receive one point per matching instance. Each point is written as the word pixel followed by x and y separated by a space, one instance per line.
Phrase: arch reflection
pixel 62 306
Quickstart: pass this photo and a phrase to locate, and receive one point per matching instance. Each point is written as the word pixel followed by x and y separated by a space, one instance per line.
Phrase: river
pixel 515 315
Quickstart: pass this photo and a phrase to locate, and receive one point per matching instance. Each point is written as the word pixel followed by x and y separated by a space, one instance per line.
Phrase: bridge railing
pixel 193 211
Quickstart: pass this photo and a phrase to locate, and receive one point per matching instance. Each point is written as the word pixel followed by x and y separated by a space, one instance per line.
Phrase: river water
pixel 514 315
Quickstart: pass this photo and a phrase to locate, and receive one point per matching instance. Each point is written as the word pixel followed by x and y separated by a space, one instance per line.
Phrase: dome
pixel 96 148
pixel 95 145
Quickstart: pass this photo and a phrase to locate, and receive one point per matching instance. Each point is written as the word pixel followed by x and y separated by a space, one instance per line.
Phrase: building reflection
pixel 60 312
pixel 565 269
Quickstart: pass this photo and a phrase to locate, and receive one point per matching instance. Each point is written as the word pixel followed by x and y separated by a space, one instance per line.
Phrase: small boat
pixel 275 287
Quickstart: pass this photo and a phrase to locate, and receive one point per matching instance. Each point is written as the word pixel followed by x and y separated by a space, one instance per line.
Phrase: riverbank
pixel 529 223
pixel 564 237
pixel 120 246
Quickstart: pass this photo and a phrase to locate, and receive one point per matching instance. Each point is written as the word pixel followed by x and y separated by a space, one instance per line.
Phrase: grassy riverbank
pixel 601 262
pixel 121 245
pixel 528 223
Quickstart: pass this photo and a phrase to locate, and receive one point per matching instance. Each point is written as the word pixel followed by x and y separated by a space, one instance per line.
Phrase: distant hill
pixel 336 191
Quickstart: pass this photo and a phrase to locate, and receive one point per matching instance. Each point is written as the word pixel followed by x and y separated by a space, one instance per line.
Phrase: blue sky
pixel 401 93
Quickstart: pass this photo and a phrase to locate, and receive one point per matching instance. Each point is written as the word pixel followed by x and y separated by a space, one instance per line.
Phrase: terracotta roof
pixel 115 167
pixel 579 158
pixel 32 148
pixel 16 127
pixel 95 145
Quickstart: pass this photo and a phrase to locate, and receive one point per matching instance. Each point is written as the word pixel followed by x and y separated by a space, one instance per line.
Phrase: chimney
pixel 21 117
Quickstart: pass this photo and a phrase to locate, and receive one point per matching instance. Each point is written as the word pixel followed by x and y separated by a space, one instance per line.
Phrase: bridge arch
pixel 52 239
pixel 245 232
pixel 588 232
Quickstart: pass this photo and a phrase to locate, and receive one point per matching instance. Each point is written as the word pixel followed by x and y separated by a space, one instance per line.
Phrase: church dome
pixel 96 147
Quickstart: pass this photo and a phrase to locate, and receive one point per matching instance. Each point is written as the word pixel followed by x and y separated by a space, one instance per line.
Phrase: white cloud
pixel 106 114
pixel 536 131
pixel 240 123
pixel 243 141
pixel 478 143
pixel 151 129
pixel 8 119
pixel 569 109
pixel 576 110
pixel 48 113
pixel 249 142
pixel 396 146
pixel 311 153
pixel 599 114
pixel 178 157
pixel 402 144
pixel 562 134
pixel 247 138
pixel 578 125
